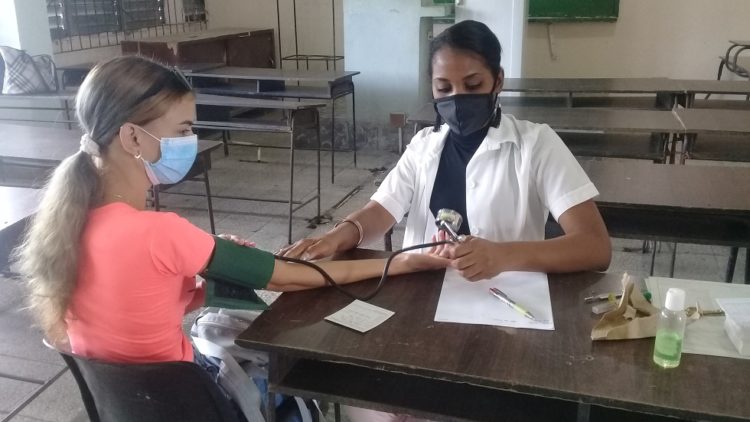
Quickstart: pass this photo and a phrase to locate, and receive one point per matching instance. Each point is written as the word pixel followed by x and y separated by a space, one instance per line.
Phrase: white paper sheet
pixel 360 316
pixel 468 302
pixel 706 336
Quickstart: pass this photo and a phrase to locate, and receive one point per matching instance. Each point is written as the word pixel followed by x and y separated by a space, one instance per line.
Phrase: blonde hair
pixel 125 89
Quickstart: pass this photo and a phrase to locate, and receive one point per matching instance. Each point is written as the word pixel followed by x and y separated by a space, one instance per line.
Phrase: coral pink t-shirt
pixel 136 281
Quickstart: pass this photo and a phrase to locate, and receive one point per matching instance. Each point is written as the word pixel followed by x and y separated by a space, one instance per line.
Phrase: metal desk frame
pixel 272 86
pixel 310 118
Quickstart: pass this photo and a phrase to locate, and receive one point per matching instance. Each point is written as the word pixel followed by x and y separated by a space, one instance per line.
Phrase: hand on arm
pixel 374 219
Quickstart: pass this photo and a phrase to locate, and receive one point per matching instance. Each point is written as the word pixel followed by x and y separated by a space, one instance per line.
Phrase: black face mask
pixel 466 113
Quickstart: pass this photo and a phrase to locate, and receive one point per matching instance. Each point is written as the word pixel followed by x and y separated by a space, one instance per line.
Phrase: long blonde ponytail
pixel 125 89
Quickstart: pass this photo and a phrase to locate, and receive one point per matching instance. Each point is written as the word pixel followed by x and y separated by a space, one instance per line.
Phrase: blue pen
pixel 508 301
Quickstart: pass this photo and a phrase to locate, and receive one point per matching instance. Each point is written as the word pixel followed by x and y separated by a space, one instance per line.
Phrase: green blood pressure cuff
pixel 234 272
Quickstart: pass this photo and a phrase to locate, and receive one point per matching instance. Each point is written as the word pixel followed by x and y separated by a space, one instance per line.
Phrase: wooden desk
pixel 687 204
pixel 271 83
pixel 230 46
pixel 580 119
pixel 628 131
pixel 65 97
pixel 19 204
pixel 451 371
pixel 699 121
pixel 47 147
pixel 718 127
pixel 593 85
pixel 667 91
pixel 701 86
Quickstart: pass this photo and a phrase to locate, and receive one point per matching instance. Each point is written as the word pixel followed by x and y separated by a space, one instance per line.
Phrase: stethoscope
pixel 447 220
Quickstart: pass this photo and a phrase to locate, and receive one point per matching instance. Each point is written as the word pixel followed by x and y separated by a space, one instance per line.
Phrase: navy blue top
pixel 449 190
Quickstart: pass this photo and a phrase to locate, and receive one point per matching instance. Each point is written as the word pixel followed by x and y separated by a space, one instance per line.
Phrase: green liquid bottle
pixel 670 330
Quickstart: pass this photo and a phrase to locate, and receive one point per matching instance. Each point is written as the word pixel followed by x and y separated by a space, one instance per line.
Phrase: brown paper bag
pixel 634 317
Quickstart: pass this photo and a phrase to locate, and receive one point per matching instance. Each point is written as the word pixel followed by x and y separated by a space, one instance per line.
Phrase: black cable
pixel 365 298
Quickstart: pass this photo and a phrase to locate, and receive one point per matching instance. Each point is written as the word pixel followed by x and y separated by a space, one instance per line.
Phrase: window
pixel 70 18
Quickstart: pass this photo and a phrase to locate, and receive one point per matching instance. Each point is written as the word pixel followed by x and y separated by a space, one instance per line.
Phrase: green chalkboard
pixel 573 10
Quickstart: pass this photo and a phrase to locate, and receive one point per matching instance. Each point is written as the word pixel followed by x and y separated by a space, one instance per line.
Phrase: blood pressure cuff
pixel 234 272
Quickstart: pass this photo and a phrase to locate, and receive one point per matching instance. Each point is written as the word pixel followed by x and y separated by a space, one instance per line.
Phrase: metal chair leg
pixel 731 264
pixel 653 259
pixel 225 140
pixel 674 257
pixel 337 412
pixel 333 139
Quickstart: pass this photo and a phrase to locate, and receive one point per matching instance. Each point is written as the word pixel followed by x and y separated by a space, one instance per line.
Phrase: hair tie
pixel 89 146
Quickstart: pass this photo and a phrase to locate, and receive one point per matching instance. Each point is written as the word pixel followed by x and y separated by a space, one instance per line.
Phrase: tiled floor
pixel 34 385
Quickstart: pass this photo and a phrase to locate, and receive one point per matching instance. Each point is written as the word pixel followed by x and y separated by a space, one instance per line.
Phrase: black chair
pixel 150 392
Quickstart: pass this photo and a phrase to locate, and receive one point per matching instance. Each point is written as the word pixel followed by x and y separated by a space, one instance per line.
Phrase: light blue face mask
pixel 177 157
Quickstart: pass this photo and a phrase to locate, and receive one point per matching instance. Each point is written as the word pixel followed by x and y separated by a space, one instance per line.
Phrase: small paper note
pixel 360 316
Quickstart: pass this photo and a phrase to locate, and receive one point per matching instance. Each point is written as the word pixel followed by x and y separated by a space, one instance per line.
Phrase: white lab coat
pixel 520 173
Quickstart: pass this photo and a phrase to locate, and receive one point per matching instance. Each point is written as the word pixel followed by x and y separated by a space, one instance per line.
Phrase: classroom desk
pixel 703 86
pixel 18 205
pixel 633 128
pixel 581 119
pixel 65 97
pixel 706 122
pixel 270 83
pixel 298 115
pixel 593 85
pixel 667 90
pixel 448 371
pixel 714 121
pixel 46 147
pixel 684 204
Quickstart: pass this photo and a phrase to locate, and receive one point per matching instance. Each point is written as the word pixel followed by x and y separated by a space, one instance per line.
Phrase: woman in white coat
pixel 502 174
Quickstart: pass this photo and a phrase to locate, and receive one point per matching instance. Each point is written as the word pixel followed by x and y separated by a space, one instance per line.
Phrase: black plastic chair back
pixel 150 392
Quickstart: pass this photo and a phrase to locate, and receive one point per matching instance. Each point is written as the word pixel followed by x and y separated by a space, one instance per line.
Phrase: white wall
pixel 9 24
pixel 383 42
pixel 506 18
pixel 33 26
pixel 20 23
pixel 670 38
pixel 24 25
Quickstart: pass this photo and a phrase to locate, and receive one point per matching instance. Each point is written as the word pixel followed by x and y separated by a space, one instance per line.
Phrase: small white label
pixel 360 316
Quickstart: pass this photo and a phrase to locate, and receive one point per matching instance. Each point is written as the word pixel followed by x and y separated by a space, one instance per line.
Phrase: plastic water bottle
pixel 670 330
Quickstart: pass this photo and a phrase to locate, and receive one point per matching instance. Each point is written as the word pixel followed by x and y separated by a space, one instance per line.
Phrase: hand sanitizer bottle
pixel 670 330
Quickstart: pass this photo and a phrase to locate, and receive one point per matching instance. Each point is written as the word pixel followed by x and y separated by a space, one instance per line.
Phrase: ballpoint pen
pixel 508 301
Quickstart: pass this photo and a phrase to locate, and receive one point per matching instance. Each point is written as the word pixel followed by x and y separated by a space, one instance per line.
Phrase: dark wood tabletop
pixel 709 86
pixel 688 188
pixel 563 364
pixel 593 85
pixel 227 101
pixel 45 145
pixel 38 144
pixel 564 118
pixel 207 34
pixel 715 121
pixel 685 204
pixel 291 75
pixel 17 206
